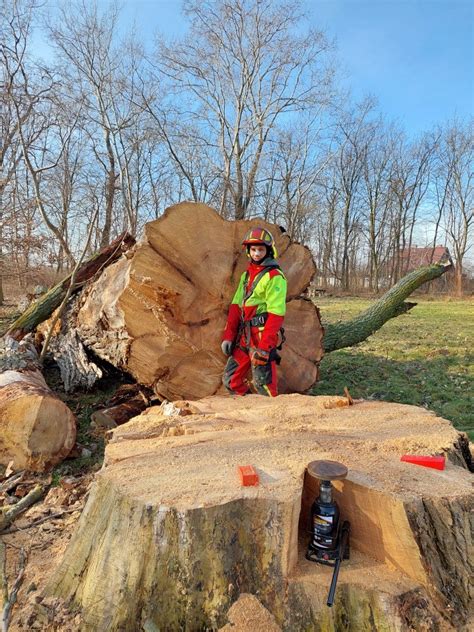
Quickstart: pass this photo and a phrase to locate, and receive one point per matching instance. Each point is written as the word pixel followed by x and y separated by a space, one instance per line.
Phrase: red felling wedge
pixel 248 475
pixel 436 462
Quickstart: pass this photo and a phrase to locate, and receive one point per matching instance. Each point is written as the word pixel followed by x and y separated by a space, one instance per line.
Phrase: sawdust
pixel 284 434
pixel 247 614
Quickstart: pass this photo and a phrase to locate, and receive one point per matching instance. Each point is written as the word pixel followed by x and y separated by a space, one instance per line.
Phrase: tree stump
pixel 169 539
pixel 160 314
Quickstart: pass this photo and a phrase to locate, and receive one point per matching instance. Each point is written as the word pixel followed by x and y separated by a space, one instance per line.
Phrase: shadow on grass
pixel 441 384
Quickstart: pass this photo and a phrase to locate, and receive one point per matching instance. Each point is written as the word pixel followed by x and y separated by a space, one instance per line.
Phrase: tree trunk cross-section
pixel 169 539
pixel 160 314
pixel 37 429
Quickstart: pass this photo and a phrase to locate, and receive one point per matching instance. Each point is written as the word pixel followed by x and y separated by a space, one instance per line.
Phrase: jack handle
pixel 345 531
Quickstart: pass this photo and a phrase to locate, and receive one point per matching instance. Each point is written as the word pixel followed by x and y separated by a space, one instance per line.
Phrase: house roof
pixel 424 256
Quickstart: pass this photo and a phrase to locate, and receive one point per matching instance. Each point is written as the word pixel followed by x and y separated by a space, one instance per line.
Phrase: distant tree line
pixel 243 113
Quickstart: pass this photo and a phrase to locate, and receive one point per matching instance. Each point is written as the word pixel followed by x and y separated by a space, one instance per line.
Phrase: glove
pixel 259 357
pixel 226 347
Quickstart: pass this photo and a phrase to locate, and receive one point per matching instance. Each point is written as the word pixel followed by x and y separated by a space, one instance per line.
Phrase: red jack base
pixel 435 462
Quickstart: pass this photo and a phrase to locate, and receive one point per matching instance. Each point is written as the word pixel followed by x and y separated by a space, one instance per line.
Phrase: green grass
pixel 425 357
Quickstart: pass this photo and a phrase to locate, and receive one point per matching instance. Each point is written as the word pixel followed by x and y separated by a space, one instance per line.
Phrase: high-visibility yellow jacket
pixel 268 297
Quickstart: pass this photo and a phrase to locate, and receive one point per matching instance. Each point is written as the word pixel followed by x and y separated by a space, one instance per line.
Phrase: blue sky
pixel 415 56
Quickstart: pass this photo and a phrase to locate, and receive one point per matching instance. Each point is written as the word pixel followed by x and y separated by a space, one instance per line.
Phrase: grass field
pixel 425 357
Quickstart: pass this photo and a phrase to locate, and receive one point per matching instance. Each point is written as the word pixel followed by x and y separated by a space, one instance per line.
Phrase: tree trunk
pixel 160 314
pixel 169 539
pixel 37 430
pixel 347 334
pixel 458 273
pixel 44 307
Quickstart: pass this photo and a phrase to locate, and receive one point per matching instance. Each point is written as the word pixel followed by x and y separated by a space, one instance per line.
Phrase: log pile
pixel 170 540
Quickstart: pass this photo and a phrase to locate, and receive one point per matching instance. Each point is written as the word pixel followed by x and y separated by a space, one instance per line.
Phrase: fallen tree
pixel 169 539
pixel 159 314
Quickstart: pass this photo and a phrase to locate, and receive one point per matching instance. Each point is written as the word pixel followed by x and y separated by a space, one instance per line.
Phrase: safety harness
pixel 260 319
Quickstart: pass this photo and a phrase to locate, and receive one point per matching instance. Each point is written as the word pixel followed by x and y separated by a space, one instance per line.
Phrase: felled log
pixel 45 306
pixel 160 314
pixel 169 538
pixel 37 429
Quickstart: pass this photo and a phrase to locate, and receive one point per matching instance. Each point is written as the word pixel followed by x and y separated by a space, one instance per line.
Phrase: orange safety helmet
pixel 260 236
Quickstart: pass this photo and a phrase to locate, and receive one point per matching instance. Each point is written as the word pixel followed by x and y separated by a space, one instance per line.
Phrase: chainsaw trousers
pixel 235 378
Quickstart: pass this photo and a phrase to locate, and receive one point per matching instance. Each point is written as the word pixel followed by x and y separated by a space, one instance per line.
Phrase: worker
pixel 254 323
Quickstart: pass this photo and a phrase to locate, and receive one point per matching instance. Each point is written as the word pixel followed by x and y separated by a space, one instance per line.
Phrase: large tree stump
pixel 160 314
pixel 169 539
pixel 37 429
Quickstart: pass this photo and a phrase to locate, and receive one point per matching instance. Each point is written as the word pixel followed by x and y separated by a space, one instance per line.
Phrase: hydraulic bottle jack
pixel 329 542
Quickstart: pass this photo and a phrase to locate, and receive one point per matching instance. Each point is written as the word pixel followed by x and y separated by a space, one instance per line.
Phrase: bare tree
pixel 409 185
pixel 100 75
pixel 376 176
pixel 350 161
pixel 30 90
pixel 455 176
pixel 240 69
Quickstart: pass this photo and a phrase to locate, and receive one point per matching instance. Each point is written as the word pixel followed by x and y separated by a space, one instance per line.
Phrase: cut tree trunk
pixel 45 306
pixel 160 314
pixel 169 539
pixel 37 429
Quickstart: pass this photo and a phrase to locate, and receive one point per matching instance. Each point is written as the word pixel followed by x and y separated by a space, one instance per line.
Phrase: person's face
pixel 257 253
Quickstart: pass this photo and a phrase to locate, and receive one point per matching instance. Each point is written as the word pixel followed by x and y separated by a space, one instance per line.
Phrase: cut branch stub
pixel 160 315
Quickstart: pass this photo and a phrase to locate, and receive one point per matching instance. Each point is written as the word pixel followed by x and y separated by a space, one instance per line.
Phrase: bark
pixel 169 538
pixel 120 414
pixel 44 307
pixel 349 333
pixel 77 371
pixel 160 314
pixel 37 430
pixel 9 514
